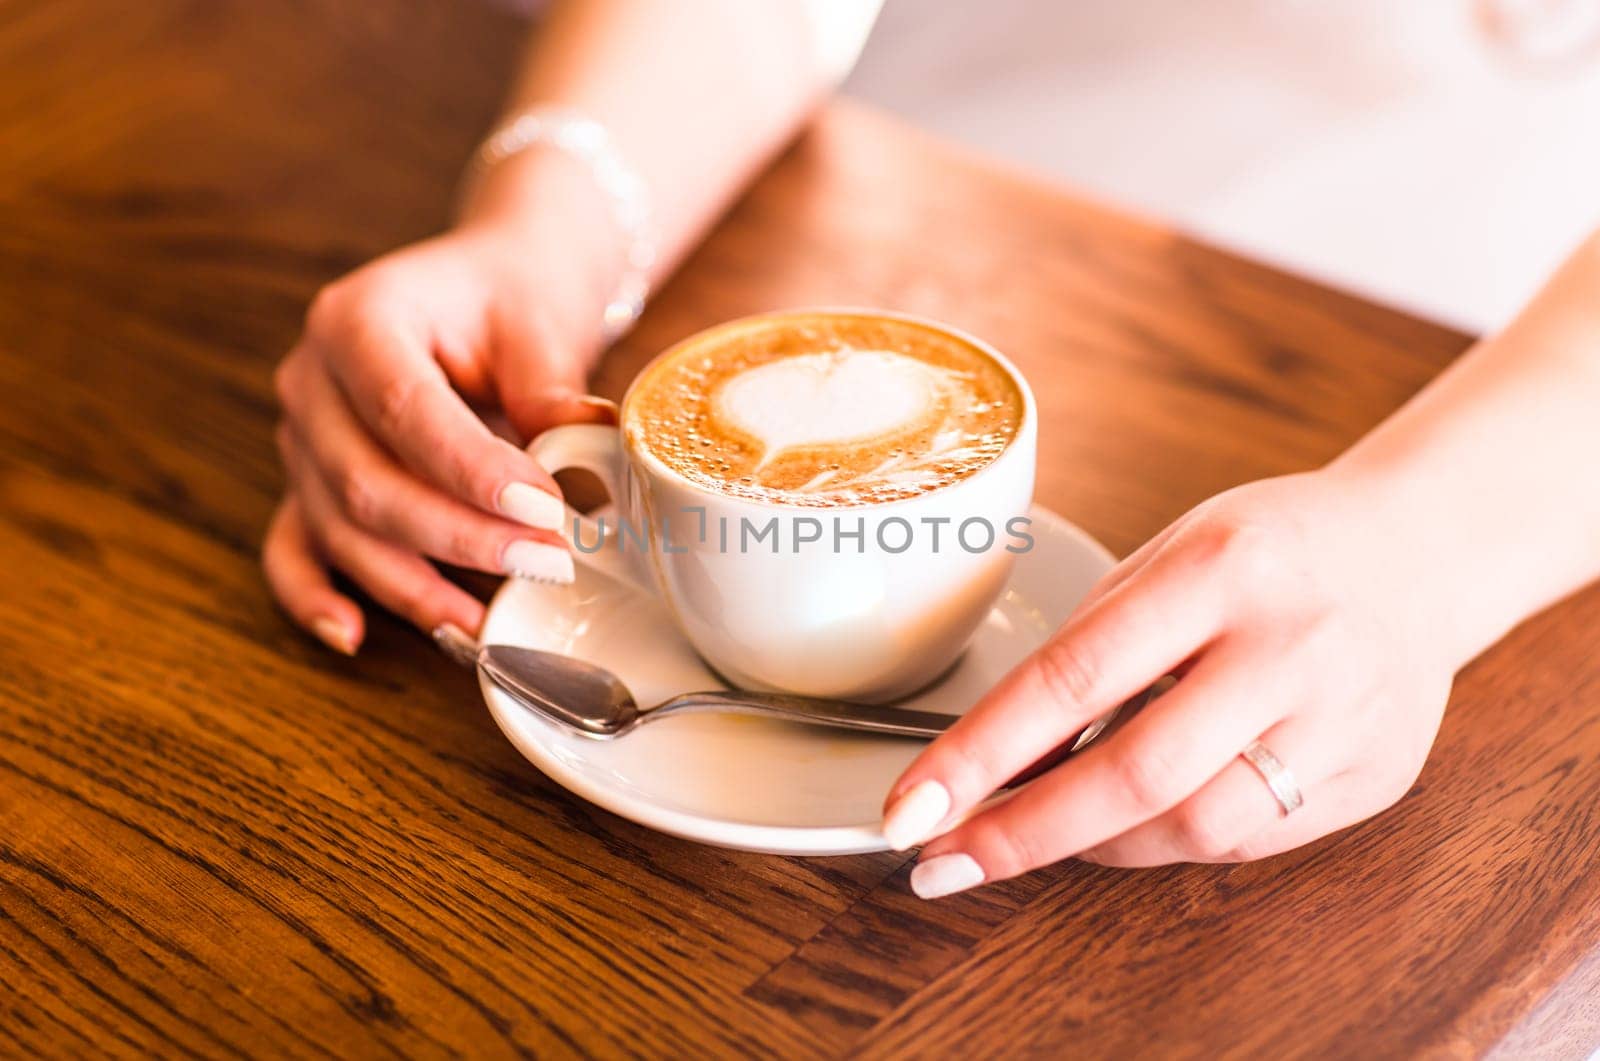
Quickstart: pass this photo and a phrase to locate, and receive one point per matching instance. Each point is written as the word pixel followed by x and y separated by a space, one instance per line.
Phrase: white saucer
pixel 746 782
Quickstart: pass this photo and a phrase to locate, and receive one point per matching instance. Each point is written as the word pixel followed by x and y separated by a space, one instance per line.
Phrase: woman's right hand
pixel 390 465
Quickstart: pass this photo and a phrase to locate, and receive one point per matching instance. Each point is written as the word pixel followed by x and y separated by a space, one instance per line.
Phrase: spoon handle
pixel 457 644
pixel 871 718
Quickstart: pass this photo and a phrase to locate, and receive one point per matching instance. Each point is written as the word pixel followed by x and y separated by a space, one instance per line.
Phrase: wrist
pixel 1432 552
pixel 557 129
pixel 1481 477
pixel 520 187
pixel 541 211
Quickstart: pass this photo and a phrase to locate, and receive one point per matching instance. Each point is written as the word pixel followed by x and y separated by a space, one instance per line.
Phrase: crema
pixel 824 409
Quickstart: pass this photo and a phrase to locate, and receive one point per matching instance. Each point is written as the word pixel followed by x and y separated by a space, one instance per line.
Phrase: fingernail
pixel 547 563
pixel 456 643
pixel 912 818
pixel 333 634
pixel 594 401
pixel 945 875
pixel 565 396
pixel 530 505
pixel 576 397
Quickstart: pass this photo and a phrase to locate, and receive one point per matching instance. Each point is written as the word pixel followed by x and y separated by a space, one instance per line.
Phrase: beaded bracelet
pixel 590 143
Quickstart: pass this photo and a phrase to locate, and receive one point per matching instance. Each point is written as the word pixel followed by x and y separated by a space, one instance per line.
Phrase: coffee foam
pixel 825 409
pixel 841 396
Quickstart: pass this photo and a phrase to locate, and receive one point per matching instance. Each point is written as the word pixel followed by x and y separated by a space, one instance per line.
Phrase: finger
pixel 1162 756
pixel 1343 801
pixel 1130 565
pixel 1101 657
pixel 1115 721
pixel 1339 802
pixel 378 495
pixel 300 582
pixel 1215 823
pixel 400 581
pixel 540 383
pixel 402 395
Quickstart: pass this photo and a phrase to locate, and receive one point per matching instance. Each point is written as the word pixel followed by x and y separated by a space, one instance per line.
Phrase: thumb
pixel 541 383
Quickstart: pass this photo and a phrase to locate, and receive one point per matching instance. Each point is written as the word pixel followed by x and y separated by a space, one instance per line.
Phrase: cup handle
pixel 596 448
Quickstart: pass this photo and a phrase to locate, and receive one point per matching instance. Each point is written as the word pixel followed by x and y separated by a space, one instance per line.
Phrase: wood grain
pixel 218 840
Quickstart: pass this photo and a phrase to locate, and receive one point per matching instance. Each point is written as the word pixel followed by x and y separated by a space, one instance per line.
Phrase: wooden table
pixel 217 838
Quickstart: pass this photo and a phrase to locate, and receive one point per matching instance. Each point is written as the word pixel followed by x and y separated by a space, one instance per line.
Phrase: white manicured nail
pixel 334 635
pixel 945 875
pixel 912 818
pixel 547 563
pixel 530 505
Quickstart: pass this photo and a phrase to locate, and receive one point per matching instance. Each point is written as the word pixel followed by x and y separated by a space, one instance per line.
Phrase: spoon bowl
pixel 590 700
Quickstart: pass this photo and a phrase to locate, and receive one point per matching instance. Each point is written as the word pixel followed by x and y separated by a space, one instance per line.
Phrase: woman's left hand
pixel 1288 618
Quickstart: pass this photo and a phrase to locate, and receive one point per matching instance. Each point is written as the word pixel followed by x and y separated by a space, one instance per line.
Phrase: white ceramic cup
pixel 828 617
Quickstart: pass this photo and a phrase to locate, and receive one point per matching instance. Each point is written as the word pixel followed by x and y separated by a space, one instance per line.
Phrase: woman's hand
pixel 390 464
pixel 1287 618
pixel 1323 614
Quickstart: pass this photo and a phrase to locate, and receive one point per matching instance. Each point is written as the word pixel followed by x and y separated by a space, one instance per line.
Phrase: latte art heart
pixel 823 409
pixel 833 397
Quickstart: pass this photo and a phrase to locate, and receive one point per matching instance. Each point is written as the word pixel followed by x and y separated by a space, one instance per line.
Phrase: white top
pixel 1438 154
pixel 1442 155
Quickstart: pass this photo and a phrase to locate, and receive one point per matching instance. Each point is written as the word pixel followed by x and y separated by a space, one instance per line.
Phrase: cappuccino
pixel 824 409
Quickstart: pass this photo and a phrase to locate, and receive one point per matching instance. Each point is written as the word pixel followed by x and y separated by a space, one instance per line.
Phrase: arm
pixel 1324 614
pixel 1491 467
pixel 697 95
pixel 389 464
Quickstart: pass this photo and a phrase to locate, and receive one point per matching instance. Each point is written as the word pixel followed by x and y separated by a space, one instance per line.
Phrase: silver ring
pixel 1276 775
